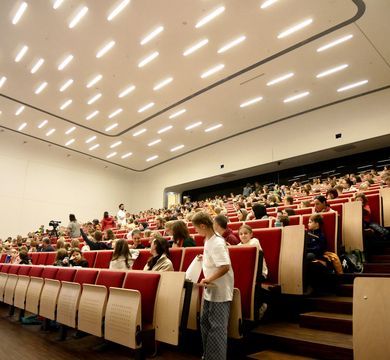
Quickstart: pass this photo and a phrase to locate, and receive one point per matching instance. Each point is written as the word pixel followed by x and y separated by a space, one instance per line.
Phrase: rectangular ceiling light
pixel 92 138
pixel 126 91
pixel 250 102
pixel 154 142
pixel 70 130
pixel 231 44
pixel 267 3
pixel 20 110
pixel 146 107
pixel 40 88
pixel 296 97
pixel 70 142
pixel 351 86
pixel 65 62
pixel 21 53
pixel 210 17
pixel 335 42
pixel 177 113
pixel 148 59
pixel 66 104
pixel 50 132
pixel 194 125
pixel 163 83
pixel 95 80
pixel 115 113
pixel 212 71
pixel 111 127
pixel 66 85
pixel 21 127
pixel 211 128
pixel 105 49
pixel 109 156
pixel 37 65
pixel 93 147
pixel 331 71
pixel 19 13
pixel 2 81
pixel 152 158
pixel 195 47
pixel 94 98
pixel 57 4
pixel 139 132
pixel 76 19
pixel 42 124
pixel 164 129
pixel 92 115
pixel 118 9
pixel 126 155
pixel 177 148
pixel 152 35
pixel 115 144
pixel 295 28
pixel 279 79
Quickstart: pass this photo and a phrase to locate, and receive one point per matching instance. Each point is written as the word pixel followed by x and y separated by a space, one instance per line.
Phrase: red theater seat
pixel 375 206
pixel 50 258
pixel 103 258
pixel 199 240
pixel 36 271
pixel 338 200
pixel 3 257
pixel 235 225
pixel 90 257
pixel 142 259
pixel 42 258
pixel 175 254
pixel 24 270
pixel 86 276
pixel 34 257
pixel 189 254
pixel 49 272
pixel 110 278
pixel 6 268
pixel 66 274
pixel 258 224
pixel 14 269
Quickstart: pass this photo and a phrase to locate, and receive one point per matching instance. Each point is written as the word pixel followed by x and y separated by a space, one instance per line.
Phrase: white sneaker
pixel 262 310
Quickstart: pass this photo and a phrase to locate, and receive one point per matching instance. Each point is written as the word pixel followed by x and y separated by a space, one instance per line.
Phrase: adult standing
pixel 121 216
pixel 73 227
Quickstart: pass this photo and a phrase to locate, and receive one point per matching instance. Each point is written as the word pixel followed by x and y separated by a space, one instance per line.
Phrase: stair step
pixel 345 290
pixel 336 322
pixel 376 268
pixel 277 355
pixel 289 337
pixel 349 278
pixel 380 258
pixel 331 303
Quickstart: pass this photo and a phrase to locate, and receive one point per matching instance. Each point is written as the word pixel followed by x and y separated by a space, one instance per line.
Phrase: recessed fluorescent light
pixel 115 144
pixel 19 13
pixel 148 59
pixel 231 44
pixel 126 155
pixel 177 148
pixel 37 65
pixel 279 79
pixel 20 110
pixel 194 125
pixel 164 129
pixel 146 107
pixel 105 49
pixel 94 80
pixel 152 35
pixel 21 127
pixel 2 81
pixel 40 88
pixel 118 9
pixel 126 91
pixel 152 158
pixel 351 86
pixel 115 113
pixel 154 142
pixel 70 130
pixel 296 97
pixel 331 71
pixel 92 138
pixel 113 126
pixel 211 128
pixel 57 4
pixel 139 132
pixel 93 147
pixel 78 17
pixel 335 42
pixel 111 155
pixel 50 132
pixel 65 62
pixel 42 124
pixel 252 101
pixel 210 17
pixel 267 3
pixel 177 113
pixel 70 142
pixel 66 104
pixel 163 83
pixel 21 53
pixel 212 71
pixel 92 115
pixel 66 85
pixel 295 28
pixel 94 98
pixel 195 47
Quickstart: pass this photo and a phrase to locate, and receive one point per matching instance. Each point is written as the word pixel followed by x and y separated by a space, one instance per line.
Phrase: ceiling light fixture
pixel 40 88
pixel 20 110
pixel 126 91
pixel 92 115
pixel 335 42
pixel 118 9
pixel 295 28
pixel 78 17
pixel 65 62
pixel 115 144
pixel 66 85
pixel 70 130
pixel 92 138
pixel 70 142
pixel 250 102
pixel 152 35
pixel 177 113
pixel 154 157
pixel 146 107
pixel 231 44
pixel 66 104
pixel 267 3
pixel 212 71
pixel 21 127
pixel 163 83
pixel 177 148
pixel 94 98
pixel 280 79
pixel 57 4
pixel 195 47
pixel 154 142
pixel 42 124
pixel 331 71
pixel 351 86
pixel 194 125
pixel 164 129
pixel 126 155
pixel 93 147
pixel 50 132
pixel 111 127
pixel 105 49
pixel 94 81
pixel 211 128
pixel 296 97
pixel 139 132
pixel 109 156
pixel 148 59
pixel 37 65
pixel 19 13
pixel 115 113
pixel 210 17
pixel 21 53
pixel 2 81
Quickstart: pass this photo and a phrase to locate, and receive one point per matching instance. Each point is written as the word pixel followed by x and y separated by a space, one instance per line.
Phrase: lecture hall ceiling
pixel 138 83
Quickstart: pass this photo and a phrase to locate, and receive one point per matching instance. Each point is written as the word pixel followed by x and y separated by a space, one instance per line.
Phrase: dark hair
pixel 74 250
pixel 332 192
pixel 363 197
pixel 284 220
pixel 321 199
pixel 110 234
pixel 122 249
pixel 317 218
pixel 98 235
pixel 105 215
pixel 202 218
pixel 61 254
pixel 259 210
pixel 289 212
pixel 46 240
pixel 120 206
pixel 162 247
pixel 72 217
pixel 222 221
pixel 180 231
pixel 290 199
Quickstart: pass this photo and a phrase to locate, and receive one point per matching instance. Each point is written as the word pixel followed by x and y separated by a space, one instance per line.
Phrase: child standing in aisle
pixel 218 295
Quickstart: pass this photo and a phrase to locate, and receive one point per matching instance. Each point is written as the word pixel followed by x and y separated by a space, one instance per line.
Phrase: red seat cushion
pixel 199 240
pixel 110 278
pixel 142 259
pixel 66 274
pixel 24 269
pixel 2 258
pixel 258 224
pixel 50 258
pixel 42 258
pixel 6 268
pixel 90 257
pixel 49 272
pixel 14 269
pixel 175 255
pixel 189 254
pixel 34 257
pixel 36 271
pixel 86 276
pixel 375 206
pixel 103 258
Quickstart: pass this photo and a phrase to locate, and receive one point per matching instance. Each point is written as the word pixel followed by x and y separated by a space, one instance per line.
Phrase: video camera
pixel 54 223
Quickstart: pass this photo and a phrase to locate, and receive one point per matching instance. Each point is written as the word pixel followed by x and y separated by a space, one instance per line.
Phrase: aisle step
pixel 320 320
pixel 330 303
pixel 277 355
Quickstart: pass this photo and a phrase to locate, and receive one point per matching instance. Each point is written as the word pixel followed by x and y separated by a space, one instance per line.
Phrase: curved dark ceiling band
pixel 214 142
pixel 361 7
